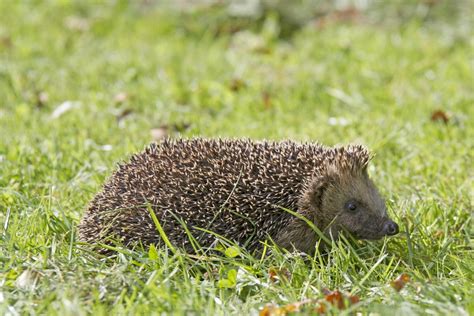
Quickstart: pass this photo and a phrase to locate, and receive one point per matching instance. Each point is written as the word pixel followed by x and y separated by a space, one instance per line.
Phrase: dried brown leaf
pixel 339 300
pixel 438 234
pixel 440 116
pixel 399 283
pixel 320 308
pixel 275 310
pixel 123 114
pixel 271 310
pixel 275 274
pixel 267 100
pixel 335 298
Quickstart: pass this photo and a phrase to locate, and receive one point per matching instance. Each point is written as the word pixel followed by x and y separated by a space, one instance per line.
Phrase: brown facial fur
pixel 339 180
pixel 237 189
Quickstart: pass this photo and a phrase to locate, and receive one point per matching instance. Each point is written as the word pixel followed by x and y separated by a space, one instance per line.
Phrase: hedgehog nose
pixel 390 228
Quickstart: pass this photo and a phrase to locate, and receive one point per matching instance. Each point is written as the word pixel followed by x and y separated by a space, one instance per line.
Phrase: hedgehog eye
pixel 351 206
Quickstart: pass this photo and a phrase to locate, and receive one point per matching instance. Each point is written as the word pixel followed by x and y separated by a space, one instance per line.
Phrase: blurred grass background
pixel 85 84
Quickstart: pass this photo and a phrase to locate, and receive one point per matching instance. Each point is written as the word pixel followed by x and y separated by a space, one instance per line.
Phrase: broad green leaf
pixel 232 252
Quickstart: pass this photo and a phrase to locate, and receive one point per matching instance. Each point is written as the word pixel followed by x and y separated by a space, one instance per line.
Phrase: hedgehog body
pixel 240 190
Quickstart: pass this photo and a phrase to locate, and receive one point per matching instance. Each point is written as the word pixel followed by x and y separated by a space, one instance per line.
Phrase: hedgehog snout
pixel 390 228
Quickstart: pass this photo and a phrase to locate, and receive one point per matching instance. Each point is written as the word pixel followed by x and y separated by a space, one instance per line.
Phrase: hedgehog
pixel 203 191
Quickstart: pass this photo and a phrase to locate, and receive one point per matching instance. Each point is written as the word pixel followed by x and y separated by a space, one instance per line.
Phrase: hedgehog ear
pixel 313 194
pixel 324 177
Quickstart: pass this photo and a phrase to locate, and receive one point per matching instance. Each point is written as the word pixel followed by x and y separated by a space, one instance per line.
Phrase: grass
pixel 377 84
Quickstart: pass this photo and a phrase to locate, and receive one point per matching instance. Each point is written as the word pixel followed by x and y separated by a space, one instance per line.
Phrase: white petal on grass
pixel 341 121
pixel 65 107
pixel 106 147
pixel 27 280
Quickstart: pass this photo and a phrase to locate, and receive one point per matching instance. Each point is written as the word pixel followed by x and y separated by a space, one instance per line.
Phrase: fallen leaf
pixel 336 299
pixel 400 282
pixel 275 310
pixel 272 274
pixel 438 234
pixel 340 300
pixel 123 114
pixel 267 101
pixel 275 274
pixel 271 310
pixel 291 308
pixel 354 299
pixel 440 116
pixel 320 308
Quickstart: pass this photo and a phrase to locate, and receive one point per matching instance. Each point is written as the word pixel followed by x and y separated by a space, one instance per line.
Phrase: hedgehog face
pixel 341 197
pixel 352 203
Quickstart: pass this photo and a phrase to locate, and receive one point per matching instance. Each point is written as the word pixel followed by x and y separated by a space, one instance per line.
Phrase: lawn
pixel 83 86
